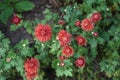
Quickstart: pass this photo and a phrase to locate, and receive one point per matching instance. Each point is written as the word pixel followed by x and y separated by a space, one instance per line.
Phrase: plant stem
pixel 79 74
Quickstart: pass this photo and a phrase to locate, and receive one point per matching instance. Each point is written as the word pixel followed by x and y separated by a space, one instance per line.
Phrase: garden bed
pixel 60 40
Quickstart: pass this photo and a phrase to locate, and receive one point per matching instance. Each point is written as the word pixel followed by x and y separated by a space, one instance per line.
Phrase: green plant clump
pixel 81 43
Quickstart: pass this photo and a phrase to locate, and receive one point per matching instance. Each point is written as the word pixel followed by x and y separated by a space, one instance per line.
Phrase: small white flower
pixel 67 26
pixel 65 10
pixel 42 44
pixel 24 45
pixel 57 38
pixel 58 64
pixel 107 9
pixel 92 32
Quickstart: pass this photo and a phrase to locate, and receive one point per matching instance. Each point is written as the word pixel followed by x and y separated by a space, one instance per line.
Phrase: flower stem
pixel 79 74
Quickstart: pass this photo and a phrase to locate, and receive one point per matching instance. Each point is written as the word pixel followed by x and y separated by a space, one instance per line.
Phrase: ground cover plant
pixel 79 42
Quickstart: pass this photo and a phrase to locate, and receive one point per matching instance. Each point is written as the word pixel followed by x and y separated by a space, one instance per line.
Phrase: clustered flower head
pixel 96 17
pixel 43 32
pixel 80 62
pixel 64 37
pixel 31 68
pixel 62 58
pixel 77 23
pixel 61 22
pixel 16 20
pixel 81 40
pixel 87 24
pixel 67 51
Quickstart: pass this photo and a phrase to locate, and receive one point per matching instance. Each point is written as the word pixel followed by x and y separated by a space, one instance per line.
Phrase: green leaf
pixel 47 11
pixel 67 18
pixel 94 52
pixel 2 52
pixel 7 66
pixel 112 30
pixel 93 43
pixel 2 77
pixel 28 27
pixel 89 1
pixel 24 6
pixel 5 43
pixel 60 71
pixel 87 8
pixel 55 47
pixel 104 36
pixel 5 14
pixel 54 63
pixel 100 40
pixel 102 6
pixel 43 21
pixel 3 6
pixel 13 27
pixel 24 51
pixel 67 63
pixel 81 51
pixel 48 17
pixel 36 21
pixel 1 35
pixel 68 72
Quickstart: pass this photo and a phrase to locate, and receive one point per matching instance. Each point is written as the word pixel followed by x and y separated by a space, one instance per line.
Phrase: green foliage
pixel 28 26
pixel 23 49
pixel 110 65
pixel 21 6
pixel 7 8
pixel 4 45
pixel 63 70
pixel 5 14
pixel 101 53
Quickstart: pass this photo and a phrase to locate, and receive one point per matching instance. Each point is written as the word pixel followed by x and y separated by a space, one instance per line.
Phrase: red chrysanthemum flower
pixel 81 40
pixel 61 22
pixel 31 68
pixel 64 37
pixel 16 20
pixel 43 32
pixel 77 23
pixel 87 25
pixel 31 65
pixel 96 17
pixel 67 51
pixel 30 76
pixel 61 58
pixel 80 62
